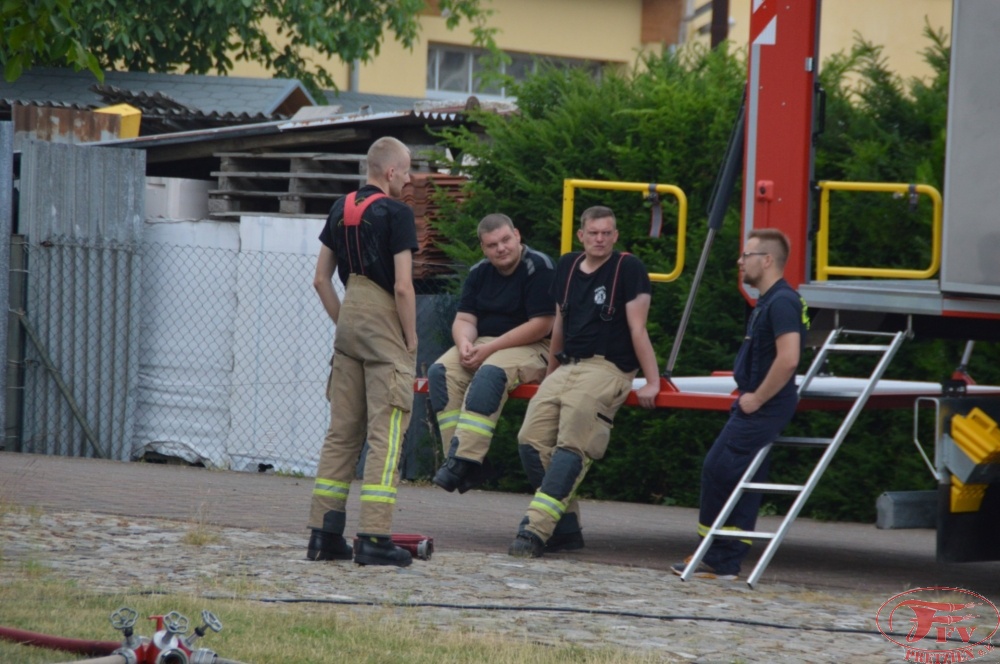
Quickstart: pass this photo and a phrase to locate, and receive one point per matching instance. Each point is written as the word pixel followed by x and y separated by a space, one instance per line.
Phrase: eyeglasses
pixel 747 254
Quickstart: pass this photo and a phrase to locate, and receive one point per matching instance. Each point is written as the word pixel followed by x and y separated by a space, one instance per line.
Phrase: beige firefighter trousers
pixel 371 394
pixel 474 430
pixel 574 410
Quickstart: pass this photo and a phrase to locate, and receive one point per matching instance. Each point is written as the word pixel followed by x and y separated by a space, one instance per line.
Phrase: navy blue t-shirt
pixel 501 303
pixel 585 333
pixel 779 311
pixel 387 228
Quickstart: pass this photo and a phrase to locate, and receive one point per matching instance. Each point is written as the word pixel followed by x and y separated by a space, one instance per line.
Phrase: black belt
pixel 563 358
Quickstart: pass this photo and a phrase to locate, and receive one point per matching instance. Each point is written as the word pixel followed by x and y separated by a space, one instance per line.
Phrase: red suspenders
pixel 352 219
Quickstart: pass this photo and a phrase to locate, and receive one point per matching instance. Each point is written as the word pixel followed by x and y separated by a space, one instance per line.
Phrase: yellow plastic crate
pixel 966 497
pixel 130 118
pixel 978 435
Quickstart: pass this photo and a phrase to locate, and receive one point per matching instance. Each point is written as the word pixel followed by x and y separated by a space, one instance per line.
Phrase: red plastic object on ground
pixel 421 546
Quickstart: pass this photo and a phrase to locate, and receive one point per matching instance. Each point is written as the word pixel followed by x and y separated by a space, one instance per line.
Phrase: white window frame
pixel 436 50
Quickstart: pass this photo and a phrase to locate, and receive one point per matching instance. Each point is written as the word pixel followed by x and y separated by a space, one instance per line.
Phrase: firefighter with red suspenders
pixel 599 341
pixel 369 240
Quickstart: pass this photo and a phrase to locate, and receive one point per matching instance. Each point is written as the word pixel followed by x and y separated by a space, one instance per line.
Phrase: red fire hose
pixel 78 646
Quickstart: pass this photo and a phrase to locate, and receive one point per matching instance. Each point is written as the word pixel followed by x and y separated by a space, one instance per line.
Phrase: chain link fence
pixel 205 353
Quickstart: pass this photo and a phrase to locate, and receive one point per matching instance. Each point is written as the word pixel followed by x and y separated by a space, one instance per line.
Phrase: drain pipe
pixel 354 76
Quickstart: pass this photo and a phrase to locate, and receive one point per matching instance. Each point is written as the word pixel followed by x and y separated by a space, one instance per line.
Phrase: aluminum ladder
pixel 886 344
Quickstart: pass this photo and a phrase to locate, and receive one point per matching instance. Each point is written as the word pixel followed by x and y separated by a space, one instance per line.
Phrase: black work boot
pixel 458 474
pixel 564 542
pixel 327 543
pixel 567 535
pixel 376 550
pixel 328 546
pixel 526 545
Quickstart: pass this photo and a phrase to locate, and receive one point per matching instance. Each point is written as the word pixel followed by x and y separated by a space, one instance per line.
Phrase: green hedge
pixel 668 122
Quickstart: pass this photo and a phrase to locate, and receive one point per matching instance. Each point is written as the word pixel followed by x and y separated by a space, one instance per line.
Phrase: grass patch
pixel 200 533
pixel 258 633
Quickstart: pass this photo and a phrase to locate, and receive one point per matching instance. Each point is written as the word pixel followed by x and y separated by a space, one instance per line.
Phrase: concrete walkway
pixel 816 555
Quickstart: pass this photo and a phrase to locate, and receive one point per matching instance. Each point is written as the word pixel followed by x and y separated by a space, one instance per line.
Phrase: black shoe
pixel 458 474
pixel 526 545
pixel 328 546
pixel 370 550
pixel 564 542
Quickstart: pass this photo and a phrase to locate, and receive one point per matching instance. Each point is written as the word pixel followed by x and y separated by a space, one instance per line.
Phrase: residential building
pixel 597 33
pixel 896 25
pixel 576 32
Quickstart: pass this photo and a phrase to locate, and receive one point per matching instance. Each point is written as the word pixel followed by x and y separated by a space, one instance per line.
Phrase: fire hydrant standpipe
pixel 169 645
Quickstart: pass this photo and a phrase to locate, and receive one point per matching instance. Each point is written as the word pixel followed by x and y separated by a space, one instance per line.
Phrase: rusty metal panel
pixel 62 124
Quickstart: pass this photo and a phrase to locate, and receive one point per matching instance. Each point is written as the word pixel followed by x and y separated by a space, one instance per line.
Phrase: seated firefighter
pixel 599 342
pixel 501 335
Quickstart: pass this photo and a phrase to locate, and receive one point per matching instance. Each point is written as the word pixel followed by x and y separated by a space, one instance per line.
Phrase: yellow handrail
pixel 568 222
pixel 824 269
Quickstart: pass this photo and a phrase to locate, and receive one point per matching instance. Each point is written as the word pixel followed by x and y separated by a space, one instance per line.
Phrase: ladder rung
pixel 767 487
pixel 742 534
pixel 802 441
pixel 858 348
pixel 869 333
pixel 822 394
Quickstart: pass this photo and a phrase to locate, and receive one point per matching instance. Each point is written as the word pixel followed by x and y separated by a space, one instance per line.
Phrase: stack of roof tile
pixel 423 195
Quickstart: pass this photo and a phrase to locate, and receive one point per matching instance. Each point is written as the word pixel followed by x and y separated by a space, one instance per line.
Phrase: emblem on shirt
pixel 600 294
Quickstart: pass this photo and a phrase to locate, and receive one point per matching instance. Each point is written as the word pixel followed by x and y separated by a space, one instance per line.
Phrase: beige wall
pixel 603 30
pixel 897 25
pixel 592 29
pixel 610 30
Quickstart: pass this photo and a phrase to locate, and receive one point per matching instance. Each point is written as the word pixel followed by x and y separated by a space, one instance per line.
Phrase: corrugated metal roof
pixel 158 104
pixel 367 117
pixel 201 94
pixel 354 102
pixel 409 118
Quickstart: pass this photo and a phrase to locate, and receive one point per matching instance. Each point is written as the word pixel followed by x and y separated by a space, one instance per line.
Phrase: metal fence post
pixel 6 219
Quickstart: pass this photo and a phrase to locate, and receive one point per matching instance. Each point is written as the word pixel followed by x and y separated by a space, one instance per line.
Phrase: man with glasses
pixel 765 379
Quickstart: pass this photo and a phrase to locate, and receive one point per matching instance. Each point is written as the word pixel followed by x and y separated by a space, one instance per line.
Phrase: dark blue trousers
pixel 730 456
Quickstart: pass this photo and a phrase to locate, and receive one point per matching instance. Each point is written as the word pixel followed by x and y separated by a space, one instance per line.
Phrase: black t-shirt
pixel 502 303
pixel 779 311
pixel 585 333
pixel 387 228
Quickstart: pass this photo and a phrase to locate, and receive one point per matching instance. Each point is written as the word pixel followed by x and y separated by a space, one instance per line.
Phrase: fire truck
pixel 871 310
pixel 861 310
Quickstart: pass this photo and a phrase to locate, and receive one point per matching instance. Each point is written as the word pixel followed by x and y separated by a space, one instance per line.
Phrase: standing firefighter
pixel 501 334
pixel 599 341
pixel 369 239
pixel 765 379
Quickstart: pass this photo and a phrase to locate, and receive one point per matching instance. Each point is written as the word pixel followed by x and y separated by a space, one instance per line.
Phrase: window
pixel 456 72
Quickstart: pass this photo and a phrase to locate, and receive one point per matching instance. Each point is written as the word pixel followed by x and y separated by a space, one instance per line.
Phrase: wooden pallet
pixel 306 184
pixel 301 184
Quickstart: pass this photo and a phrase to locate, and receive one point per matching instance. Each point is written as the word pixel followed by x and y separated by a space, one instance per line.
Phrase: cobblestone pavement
pixel 90 521
pixel 554 599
